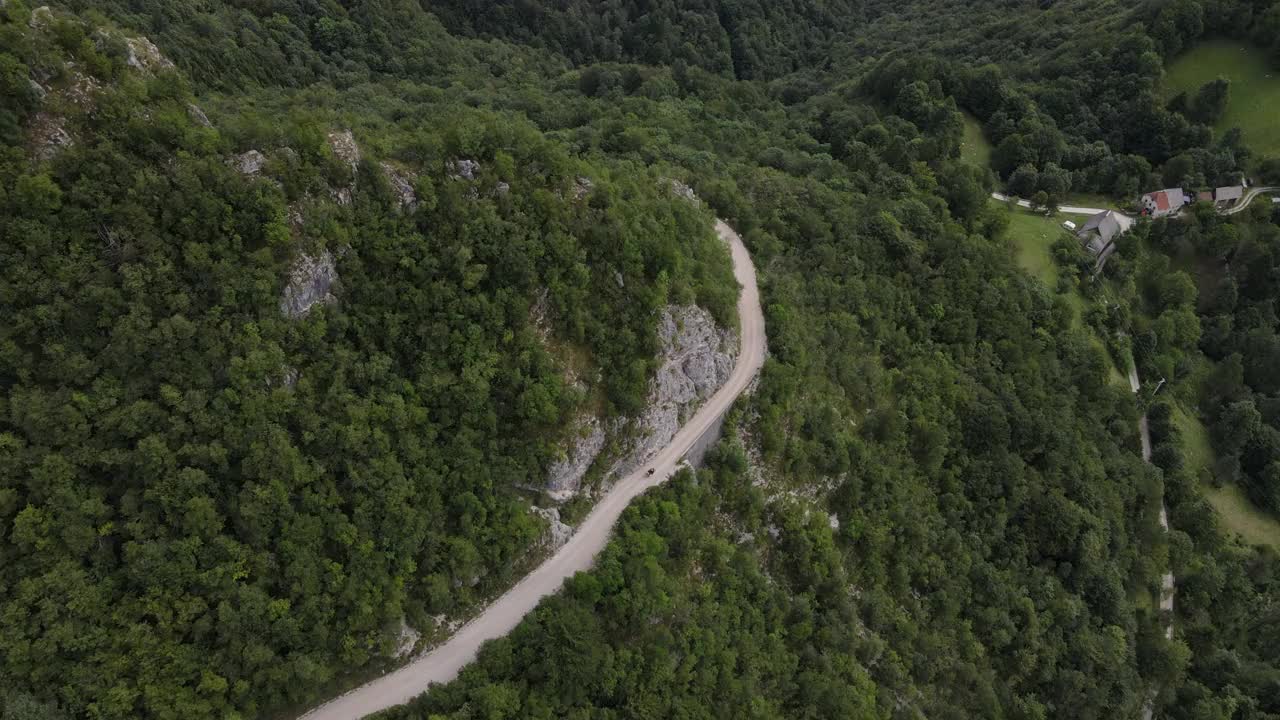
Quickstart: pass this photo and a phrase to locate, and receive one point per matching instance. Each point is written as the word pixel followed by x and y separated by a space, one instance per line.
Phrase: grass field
pixel 974 148
pixel 1255 89
pixel 1091 200
pixel 1237 513
pixel 1033 236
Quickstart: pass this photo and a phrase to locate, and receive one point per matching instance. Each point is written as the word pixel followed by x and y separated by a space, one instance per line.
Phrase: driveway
pixel 1069 209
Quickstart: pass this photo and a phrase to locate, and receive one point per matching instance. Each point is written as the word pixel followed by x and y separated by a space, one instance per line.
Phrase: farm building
pixel 1164 202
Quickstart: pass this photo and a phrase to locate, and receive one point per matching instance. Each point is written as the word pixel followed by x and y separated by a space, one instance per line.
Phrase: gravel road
pixel 444 662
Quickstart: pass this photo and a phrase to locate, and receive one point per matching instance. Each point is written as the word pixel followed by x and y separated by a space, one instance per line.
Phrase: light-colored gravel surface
pixel 443 663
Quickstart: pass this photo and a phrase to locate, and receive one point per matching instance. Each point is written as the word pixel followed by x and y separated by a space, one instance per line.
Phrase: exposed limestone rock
pixel 311 283
pixel 48 135
pixel 697 359
pixel 197 115
pixel 617 277
pixel 502 188
pixel 406 639
pixel 79 89
pixel 581 187
pixel 145 56
pixel 833 521
pixel 557 532
pixel 345 149
pixel 684 191
pixel 405 196
pixel 540 314
pixel 565 476
pixel 249 162
pixel 36 87
pixel 463 169
pixel 40 17
pixel 293 214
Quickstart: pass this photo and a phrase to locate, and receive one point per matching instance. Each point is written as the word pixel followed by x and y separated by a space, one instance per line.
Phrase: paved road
pixel 1248 198
pixel 443 664
pixel 1069 209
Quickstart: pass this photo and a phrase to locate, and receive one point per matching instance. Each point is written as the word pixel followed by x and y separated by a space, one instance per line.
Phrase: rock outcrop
pixel 463 169
pixel 344 147
pixel 143 55
pixel 311 283
pixel 197 115
pixel 565 476
pixel 406 639
pixel 685 192
pixel 48 135
pixel 249 162
pixel 698 358
pixel 558 533
pixel 400 183
pixel 41 17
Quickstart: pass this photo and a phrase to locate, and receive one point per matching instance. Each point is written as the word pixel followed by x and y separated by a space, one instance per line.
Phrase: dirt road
pixel 1167 582
pixel 1248 198
pixel 1069 209
pixel 442 664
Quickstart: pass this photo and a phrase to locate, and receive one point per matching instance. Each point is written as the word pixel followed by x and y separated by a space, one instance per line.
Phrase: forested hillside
pixel 274 380
pixel 265 397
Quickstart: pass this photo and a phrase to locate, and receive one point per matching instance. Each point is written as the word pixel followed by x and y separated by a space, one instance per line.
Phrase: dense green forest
pixel 209 507
pixel 932 506
pixel 1195 297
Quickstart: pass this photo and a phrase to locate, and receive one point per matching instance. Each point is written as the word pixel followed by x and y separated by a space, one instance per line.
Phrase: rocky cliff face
pixel 565 476
pixel 557 533
pixel 311 283
pixel 697 358
pixel 402 184
pixel 345 149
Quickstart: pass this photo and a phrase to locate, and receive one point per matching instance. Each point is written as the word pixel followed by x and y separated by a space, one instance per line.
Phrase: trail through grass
pixel 974 148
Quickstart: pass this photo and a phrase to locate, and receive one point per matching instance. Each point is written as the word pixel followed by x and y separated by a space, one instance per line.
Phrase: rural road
pixel 1144 433
pixel 1248 198
pixel 1069 209
pixel 1166 582
pixel 444 662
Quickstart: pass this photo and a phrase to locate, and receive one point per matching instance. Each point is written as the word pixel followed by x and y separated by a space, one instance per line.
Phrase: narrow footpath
pixel 444 662
pixel 1167 587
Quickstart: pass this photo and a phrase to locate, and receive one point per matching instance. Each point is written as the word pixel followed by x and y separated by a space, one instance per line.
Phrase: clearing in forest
pixel 1237 512
pixel 1255 89
pixel 974 147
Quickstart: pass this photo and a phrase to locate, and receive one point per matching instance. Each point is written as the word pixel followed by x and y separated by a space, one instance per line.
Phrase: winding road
pixel 1248 198
pixel 1071 210
pixel 444 662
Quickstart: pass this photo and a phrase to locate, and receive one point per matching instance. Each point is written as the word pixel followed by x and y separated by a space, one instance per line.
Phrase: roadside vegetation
pixel 933 505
